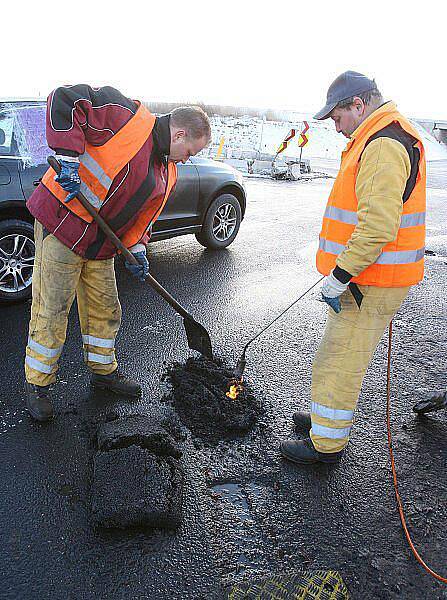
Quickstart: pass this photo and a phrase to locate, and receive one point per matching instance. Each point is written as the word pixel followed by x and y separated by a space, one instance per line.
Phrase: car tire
pixel 221 223
pixel 16 244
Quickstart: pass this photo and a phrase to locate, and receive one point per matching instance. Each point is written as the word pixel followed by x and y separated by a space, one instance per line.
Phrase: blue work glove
pixel 142 269
pixel 331 290
pixel 69 178
pixel 334 303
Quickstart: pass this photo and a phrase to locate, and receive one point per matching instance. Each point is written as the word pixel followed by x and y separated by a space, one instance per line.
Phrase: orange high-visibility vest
pixel 401 262
pixel 99 165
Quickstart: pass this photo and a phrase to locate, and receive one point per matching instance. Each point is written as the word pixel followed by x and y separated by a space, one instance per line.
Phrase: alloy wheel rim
pixel 224 222
pixel 17 252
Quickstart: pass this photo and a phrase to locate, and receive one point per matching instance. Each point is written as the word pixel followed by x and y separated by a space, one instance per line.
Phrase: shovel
pixel 197 335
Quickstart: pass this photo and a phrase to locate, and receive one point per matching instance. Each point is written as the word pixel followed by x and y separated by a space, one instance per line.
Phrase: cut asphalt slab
pixel 245 512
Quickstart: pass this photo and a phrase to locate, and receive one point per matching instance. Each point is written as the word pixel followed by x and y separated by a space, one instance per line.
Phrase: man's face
pixel 183 146
pixel 347 120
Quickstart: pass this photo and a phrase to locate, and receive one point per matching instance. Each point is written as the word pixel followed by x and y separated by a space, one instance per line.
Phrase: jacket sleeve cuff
pixel 342 275
pixel 62 152
pixel 137 248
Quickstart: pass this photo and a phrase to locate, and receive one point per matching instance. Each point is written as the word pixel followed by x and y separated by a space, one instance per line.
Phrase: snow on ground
pixel 250 137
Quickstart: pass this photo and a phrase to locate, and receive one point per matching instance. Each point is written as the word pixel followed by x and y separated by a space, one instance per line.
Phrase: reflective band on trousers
pixel 350 217
pixel 90 163
pixel 400 257
pixel 330 432
pixel 39 366
pixel 44 350
pixel 100 358
pixel 99 342
pixel 336 414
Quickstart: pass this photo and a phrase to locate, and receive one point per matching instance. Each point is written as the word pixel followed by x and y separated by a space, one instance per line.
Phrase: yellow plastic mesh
pixel 305 585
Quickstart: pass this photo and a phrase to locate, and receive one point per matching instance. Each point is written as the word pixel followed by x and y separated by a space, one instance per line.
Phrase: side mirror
pixel 2 137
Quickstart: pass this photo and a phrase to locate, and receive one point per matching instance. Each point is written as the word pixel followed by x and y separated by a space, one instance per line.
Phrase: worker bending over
pixel 123 159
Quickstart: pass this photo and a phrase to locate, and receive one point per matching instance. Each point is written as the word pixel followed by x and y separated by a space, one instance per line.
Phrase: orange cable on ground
pixel 399 501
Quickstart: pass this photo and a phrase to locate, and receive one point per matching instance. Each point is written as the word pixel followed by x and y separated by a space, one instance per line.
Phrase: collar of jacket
pixel 162 135
pixel 386 107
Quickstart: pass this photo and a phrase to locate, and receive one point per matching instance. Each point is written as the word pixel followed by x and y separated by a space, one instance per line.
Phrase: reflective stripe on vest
pixel 101 164
pixel 398 257
pixel 91 197
pixel 350 217
pixel 95 169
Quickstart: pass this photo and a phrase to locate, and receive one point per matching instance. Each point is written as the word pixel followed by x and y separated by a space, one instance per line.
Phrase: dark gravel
pixel 198 394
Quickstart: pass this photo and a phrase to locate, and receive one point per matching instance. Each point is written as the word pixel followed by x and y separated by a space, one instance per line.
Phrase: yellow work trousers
pixel 340 363
pixel 60 274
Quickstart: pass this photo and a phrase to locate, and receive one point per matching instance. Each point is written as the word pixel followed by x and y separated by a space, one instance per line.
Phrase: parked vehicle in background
pixel 209 198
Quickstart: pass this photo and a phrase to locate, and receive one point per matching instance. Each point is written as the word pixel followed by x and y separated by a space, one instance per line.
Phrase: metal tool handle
pixel 54 164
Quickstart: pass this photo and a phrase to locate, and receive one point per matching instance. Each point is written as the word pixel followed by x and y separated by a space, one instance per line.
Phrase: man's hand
pixel 69 178
pixel 331 290
pixel 142 269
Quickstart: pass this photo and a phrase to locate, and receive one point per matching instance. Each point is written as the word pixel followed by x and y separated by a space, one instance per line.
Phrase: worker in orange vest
pixel 123 159
pixel 371 251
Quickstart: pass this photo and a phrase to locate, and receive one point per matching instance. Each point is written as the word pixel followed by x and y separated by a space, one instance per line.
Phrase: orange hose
pixel 399 501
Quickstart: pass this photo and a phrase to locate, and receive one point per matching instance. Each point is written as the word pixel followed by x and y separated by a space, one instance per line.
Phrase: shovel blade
pixel 198 338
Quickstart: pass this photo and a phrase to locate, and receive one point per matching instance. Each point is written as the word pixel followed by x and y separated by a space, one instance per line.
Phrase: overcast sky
pixel 273 55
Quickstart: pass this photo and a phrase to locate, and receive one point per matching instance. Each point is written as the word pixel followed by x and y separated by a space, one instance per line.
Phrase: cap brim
pixel 325 111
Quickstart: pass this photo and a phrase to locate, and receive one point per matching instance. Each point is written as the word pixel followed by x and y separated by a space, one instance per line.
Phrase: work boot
pixel 117 383
pixel 38 401
pixel 303 452
pixel 301 419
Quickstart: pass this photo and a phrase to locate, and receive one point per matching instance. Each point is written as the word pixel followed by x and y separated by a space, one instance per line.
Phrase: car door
pixel 182 207
pixel 30 177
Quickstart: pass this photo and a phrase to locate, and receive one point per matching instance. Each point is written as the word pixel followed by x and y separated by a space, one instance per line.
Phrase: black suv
pixel 209 199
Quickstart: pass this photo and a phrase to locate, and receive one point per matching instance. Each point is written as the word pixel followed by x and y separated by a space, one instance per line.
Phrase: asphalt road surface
pixel 246 511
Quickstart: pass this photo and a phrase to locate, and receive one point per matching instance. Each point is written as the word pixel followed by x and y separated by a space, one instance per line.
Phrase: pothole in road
pixel 199 395
pixel 246 534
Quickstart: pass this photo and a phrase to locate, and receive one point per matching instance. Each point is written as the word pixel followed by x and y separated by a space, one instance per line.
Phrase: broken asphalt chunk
pixel 133 487
pixel 137 430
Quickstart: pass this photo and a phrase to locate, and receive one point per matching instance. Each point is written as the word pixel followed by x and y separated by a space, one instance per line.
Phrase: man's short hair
pixel 193 120
pixel 370 97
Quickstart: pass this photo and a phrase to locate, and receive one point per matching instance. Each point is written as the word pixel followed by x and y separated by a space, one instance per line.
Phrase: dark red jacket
pixel 76 114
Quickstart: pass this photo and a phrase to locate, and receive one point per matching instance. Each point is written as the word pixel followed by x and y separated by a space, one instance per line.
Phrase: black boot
pixel 303 452
pixel 117 383
pixel 301 419
pixel 38 402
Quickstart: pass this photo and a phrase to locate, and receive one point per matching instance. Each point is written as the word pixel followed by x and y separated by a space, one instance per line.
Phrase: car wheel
pixel 221 224
pixel 17 252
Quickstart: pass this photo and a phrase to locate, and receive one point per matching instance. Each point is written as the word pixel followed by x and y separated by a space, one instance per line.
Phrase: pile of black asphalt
pixel 199 396
pixel 137 475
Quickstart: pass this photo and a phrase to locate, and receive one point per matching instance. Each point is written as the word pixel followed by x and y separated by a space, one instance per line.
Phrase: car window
pixel 6 126
pixel 23 124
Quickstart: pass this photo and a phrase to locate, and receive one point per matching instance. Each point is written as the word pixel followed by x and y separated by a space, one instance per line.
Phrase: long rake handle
pixel 54 164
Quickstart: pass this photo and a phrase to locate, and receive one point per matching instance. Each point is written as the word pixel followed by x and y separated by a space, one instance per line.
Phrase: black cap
pixel 346 85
